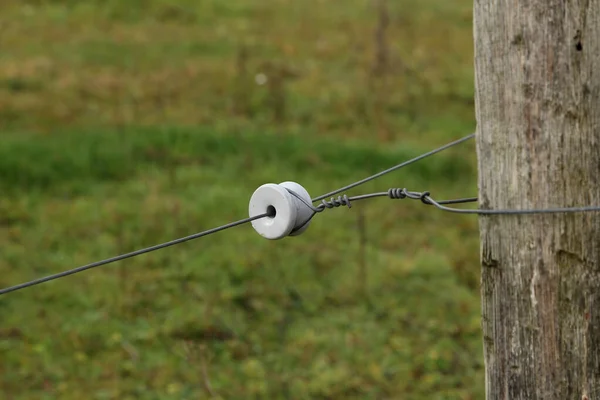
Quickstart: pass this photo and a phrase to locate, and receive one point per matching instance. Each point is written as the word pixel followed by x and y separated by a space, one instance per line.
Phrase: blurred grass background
pixel 129 123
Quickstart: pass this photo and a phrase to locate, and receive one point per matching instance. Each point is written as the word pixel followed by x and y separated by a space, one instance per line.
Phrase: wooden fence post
pixel 537 66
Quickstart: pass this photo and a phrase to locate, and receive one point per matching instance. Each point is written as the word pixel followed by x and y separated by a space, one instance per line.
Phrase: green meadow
pixel 125 124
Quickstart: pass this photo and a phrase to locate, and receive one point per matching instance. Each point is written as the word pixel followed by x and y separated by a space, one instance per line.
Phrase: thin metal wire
pixel 342 200
pixel 559 210
pixel 391 193
pixel 394 168
pixel 132 254
pixel 387 194
pixel 334 202
pixel 426 198
pixel 459 201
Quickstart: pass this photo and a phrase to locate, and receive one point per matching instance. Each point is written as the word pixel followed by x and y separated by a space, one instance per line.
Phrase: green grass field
pixel 129 123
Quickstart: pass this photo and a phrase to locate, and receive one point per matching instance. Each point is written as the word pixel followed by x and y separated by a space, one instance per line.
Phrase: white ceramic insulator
pixel 291 213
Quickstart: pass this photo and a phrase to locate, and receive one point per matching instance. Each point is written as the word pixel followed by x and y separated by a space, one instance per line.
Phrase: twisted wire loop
pixel 334 202
pixel 397 193
pixel 343 200
pixel 339 201
pixel 425 197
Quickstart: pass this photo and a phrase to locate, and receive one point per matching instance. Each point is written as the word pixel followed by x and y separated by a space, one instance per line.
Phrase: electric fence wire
pixel 425 197
pixel 394 168
pixel 342 200
pixel 132 254
pixel 221 228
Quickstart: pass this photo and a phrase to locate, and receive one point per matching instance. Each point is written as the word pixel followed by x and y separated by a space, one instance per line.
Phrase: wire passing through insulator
pixel 277 211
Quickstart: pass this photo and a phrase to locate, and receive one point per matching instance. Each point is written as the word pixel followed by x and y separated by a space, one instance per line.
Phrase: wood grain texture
pixel 537 66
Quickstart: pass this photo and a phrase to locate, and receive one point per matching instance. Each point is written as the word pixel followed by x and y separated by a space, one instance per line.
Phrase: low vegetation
pixel 126 124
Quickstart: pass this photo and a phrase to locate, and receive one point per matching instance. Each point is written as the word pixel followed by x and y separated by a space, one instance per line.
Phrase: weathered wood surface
pixel 537 68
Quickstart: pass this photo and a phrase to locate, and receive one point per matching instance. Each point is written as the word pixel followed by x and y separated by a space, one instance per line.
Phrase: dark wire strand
pixel 132 254
pixel 426 198
pixel 459 201
pixel 394 168
pixel 397 193
pixel 391 193
pixel 558 210
pixel 387 194
pixel 333 202
pixel 343 200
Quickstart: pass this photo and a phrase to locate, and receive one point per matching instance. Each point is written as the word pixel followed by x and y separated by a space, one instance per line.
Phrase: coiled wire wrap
pixel 397 193
pixel 334 202
pixel 339 201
